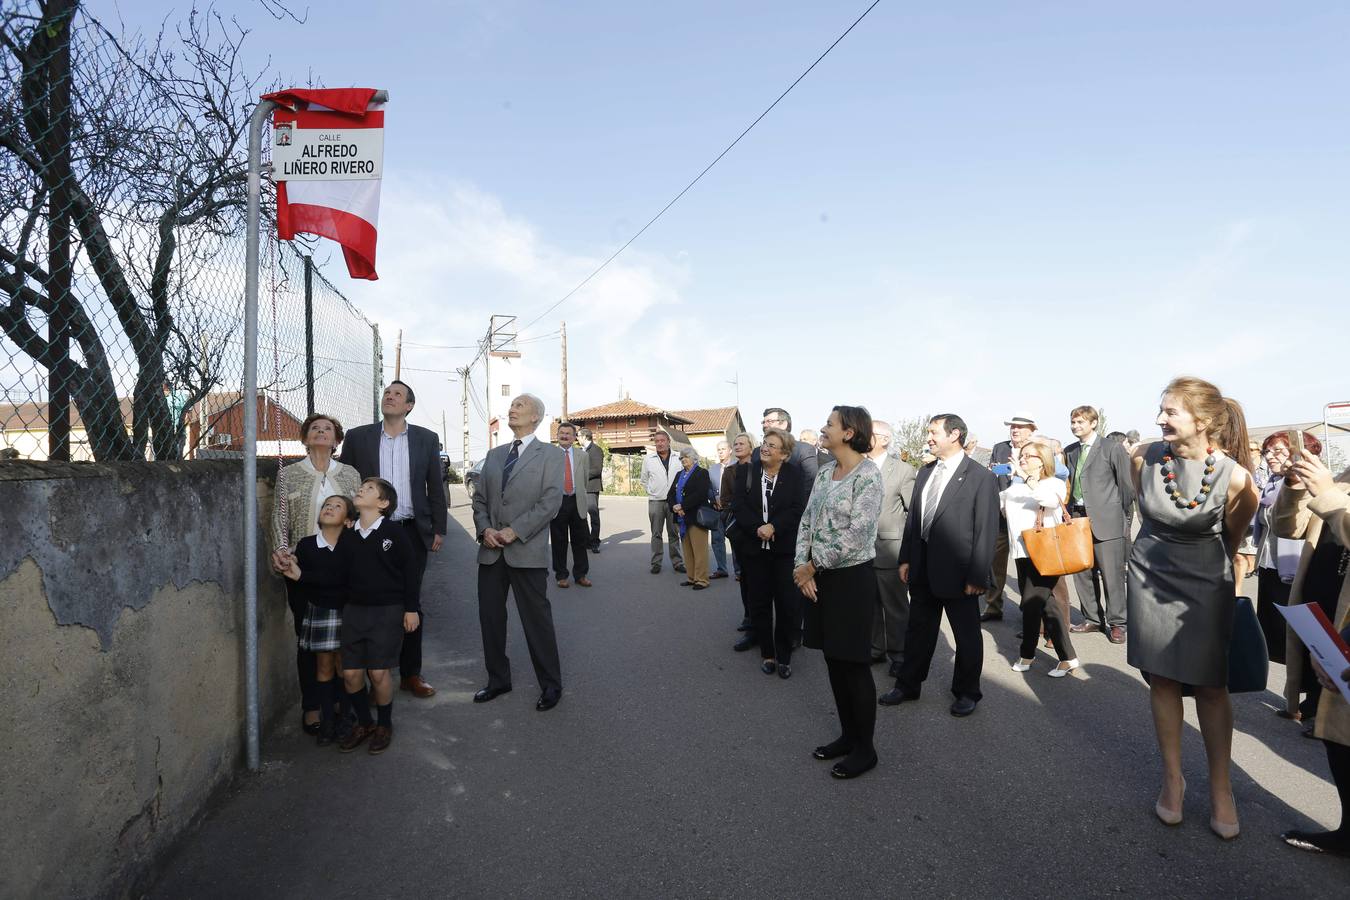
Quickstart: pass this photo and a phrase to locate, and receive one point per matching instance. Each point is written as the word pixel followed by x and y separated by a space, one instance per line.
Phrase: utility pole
pixel 398 356
pixel 564 371
pixel 464 402
pixel 487 382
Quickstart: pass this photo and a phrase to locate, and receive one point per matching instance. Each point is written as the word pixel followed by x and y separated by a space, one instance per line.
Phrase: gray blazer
pixel 529 502
pixel 1108 487
pixel 898 479
pixel 581 465
pixel 597 467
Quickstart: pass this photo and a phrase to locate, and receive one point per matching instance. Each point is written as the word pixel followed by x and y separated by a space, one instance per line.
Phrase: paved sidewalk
pixel 673 768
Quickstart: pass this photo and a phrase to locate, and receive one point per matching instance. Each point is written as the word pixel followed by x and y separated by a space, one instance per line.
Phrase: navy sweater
pixel 324 573
pixel 380 568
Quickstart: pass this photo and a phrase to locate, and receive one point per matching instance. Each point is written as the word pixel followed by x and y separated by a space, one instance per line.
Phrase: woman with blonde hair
pixel 1196 499
pixel 1038 498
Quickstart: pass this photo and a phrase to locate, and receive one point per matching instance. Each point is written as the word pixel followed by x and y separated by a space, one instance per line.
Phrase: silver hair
pixel 689 453
pixel 886 426
pixel 536 402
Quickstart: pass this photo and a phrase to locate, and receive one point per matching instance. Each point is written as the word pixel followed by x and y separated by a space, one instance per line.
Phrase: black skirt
pixel 839 623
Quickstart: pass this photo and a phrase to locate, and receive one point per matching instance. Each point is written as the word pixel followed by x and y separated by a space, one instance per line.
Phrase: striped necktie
pixel 510 463
pixel 930 498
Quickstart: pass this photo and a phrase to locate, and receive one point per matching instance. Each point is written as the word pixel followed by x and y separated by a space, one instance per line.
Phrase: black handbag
pixel 706 517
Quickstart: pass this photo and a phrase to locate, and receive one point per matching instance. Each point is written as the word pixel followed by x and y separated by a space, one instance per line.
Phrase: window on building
pixel 632 422
pixel 506 390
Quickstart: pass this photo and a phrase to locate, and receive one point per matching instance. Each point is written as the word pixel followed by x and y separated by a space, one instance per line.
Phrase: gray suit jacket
pixel 1108 488
pixel 529 502
pixel 596 456
pixel 581 466
pixel 898 479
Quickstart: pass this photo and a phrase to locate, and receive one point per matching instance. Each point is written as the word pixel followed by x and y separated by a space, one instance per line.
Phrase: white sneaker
pixel 1057 672
pixel 1022 665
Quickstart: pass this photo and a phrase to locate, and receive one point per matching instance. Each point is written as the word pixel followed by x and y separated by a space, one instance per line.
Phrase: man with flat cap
pixel 1020 431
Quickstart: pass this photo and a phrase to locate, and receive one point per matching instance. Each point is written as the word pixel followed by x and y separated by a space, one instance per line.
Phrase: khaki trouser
pixel 695 544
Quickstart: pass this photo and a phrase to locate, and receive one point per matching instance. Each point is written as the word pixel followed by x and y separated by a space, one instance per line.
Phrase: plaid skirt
pixel 320 632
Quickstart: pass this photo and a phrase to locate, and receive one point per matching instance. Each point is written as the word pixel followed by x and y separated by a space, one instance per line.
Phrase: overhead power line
pixel 697 178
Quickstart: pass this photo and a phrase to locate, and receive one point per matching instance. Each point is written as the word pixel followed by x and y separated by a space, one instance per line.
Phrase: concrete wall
pixel 122 664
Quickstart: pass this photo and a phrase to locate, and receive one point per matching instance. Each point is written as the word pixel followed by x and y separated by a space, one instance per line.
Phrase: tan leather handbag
pixel 1059 549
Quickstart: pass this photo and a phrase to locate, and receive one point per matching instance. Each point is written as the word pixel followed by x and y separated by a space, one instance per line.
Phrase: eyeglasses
pixel 1276 451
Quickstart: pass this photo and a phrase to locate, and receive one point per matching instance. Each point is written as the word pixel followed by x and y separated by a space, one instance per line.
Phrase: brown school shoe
pixel 417 686
pixel 583 581
pixel 1117 635
pixel 355 738
pixel 562 582
pixel 379 742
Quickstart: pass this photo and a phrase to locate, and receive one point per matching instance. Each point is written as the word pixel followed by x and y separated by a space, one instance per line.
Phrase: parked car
pixel 471 478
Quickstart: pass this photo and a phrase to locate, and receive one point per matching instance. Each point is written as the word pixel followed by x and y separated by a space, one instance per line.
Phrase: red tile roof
pixel 708 421
pixel 624 409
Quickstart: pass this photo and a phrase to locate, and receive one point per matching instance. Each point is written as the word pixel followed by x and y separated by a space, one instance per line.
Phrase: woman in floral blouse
pixel 835 548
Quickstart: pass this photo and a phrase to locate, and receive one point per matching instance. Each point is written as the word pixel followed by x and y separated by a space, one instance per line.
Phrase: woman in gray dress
pixel 1195 503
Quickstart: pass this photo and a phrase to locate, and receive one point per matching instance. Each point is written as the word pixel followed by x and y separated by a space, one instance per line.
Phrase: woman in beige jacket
pixel 1316 508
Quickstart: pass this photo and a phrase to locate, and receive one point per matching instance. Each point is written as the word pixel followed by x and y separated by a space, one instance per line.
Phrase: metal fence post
pixel 377 363
pixel 60 13
pixel 309 336
pixel 250 478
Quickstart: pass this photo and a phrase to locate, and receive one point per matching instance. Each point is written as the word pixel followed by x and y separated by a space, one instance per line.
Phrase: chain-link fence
pixel 122 197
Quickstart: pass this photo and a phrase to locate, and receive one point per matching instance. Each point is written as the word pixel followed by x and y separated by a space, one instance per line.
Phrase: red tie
pixel 567 475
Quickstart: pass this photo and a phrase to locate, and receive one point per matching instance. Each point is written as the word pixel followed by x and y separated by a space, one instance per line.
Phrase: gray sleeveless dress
pixel 1180 593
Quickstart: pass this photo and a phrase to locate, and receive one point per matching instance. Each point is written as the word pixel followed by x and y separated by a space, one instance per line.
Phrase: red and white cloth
pixel 344 211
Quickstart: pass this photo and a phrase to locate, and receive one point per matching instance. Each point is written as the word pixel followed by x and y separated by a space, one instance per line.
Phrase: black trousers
pixel 1272 592
pixel 568 526
pixel 1037 604
pixel 921 635
pixel 306 666
pixel 593 511
pixel 530 587
pixel 410 657
pixel 1338 759
pixel 775 606
pixel 855 699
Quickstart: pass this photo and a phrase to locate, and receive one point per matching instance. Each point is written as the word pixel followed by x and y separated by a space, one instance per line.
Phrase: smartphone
pixel 1296 446
pixel 1001 468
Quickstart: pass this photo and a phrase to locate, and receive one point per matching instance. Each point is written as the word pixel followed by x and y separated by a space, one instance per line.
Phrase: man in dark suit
pixel 569 525
pixel 1102 489
pixel 408 457
pixel 595 459
pixel 520 494
pixel 892 610
pixel 945 555
pixel 803 456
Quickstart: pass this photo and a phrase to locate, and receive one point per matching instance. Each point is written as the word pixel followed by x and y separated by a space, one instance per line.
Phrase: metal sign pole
pixel 250 403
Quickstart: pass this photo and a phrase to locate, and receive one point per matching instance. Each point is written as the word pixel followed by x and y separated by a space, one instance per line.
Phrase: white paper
pixel 1325 645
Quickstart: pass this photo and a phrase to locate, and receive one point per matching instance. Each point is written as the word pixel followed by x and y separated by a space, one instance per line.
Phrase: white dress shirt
pixel 948 476
pixel 396 468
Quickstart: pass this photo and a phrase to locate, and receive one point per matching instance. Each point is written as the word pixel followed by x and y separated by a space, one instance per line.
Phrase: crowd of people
pixel 842 543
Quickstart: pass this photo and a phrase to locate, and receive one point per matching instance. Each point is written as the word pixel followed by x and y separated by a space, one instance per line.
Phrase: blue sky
pixel 989 209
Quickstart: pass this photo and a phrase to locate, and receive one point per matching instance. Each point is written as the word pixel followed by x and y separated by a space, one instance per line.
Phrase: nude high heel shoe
pixel 1173 816
pixel 1225 830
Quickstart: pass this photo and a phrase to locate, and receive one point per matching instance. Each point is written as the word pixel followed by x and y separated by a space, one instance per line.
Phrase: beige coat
pixel 297 481
pixel 1299 516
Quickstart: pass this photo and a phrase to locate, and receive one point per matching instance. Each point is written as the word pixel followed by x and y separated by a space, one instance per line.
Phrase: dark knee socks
pixel 361 705
pixel 386 714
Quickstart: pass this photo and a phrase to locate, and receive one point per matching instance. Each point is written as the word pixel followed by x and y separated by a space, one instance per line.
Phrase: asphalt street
pixel 674 768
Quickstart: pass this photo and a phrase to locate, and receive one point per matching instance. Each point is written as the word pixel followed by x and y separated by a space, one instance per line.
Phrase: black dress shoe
pixel 490 693
pixel 854 765
pixel 768 666
pixel 834 749
pixel 656 570
pixel 784 671
pixel 679 567
pixel 895 696
pixel 963 706
pixel 745 643
pixel 991 617
pixel 548 699
pixel 685 583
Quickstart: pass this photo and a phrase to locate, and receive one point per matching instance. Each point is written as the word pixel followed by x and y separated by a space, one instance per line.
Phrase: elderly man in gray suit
pixel 519 495
pixel 892 609
pixel 1101 487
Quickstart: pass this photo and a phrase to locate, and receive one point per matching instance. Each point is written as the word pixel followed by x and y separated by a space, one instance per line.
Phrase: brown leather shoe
pixel 562 583
pixel 355 738
pixel 583 581
pixel 1117 634
pixel 417 686
pixel 379 741
pixel 1085 628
